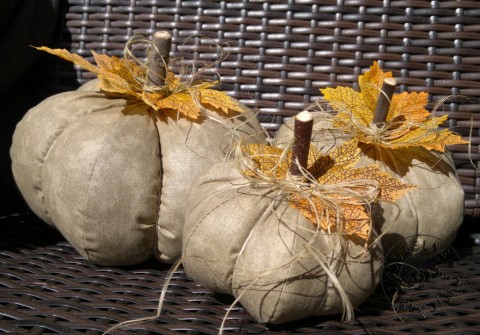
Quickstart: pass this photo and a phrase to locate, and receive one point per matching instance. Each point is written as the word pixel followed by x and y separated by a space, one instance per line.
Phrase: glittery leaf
pixel 408 123
pixel 342 190
pixel 126 77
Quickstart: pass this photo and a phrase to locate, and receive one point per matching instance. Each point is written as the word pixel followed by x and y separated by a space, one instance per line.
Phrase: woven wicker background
pixel 277 54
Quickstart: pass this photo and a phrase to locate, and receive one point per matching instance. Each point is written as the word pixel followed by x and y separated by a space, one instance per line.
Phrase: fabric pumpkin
pixel 288 231
pixel 242 240
pixel 427 216
pixel 112 175
pixel 396 132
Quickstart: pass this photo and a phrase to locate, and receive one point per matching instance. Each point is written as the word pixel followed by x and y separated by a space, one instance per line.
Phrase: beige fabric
pixel 201 145
pixel 428 215
pixel 36 134
pixel 235 243
pixel 101 185
pixel 96 169
pixel 91 85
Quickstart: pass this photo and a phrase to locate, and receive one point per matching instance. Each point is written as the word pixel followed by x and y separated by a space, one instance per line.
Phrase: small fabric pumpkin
pixel 408 145
pixel 111 172
pixel 286 248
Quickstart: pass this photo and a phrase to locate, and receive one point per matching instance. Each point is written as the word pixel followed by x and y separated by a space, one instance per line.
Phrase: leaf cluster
pixel 125 76
pixel 336 195
pixel 408 123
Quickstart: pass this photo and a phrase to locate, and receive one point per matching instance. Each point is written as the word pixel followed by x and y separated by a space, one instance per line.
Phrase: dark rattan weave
pixel 47 288
pixel 280 52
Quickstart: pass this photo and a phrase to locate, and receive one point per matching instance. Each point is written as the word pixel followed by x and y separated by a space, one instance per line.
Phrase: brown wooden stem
pixel 157 58
pixel 301 146
pixel 384 99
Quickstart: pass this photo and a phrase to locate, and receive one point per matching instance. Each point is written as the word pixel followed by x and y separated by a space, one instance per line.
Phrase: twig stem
pixel 384 100
pixel 301 146
pixel 157 58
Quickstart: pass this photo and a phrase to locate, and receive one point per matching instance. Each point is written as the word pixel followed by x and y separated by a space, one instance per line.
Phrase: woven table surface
pixel 47 288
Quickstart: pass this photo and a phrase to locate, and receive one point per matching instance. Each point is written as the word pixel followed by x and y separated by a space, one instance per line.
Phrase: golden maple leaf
pixel 337 194
pixel 408 123
pixel 124 76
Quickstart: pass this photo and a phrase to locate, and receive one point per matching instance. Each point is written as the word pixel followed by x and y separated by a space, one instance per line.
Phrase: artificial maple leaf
pixel 181 102
pixel 337 198
pixel 407 124
pixel 220 101
pixel 124 76
pixel 336 217
pixel 119 75
pixel 76 59
pixel 267 160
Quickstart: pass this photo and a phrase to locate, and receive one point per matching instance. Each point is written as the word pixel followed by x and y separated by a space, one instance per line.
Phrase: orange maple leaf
pixel 124 76
pixel 337 194
pixel 408 123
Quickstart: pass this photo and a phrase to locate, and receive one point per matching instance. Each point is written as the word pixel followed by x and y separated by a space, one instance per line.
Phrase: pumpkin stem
pixel 384 100
pixel 301 145
pixel 157 58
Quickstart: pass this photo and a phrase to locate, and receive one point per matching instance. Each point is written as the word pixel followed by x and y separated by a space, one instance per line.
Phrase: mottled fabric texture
pixel 250 243
pixel 425 217
pixel 112 176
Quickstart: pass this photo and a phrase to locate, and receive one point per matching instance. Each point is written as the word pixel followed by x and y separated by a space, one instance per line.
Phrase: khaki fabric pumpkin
pixel 112 176
pixel 426 216
pixel 246 242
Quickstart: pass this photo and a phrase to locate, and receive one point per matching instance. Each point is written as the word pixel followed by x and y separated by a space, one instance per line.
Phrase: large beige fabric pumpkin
pixel 112 176
pixel 246 242
pixel 426 216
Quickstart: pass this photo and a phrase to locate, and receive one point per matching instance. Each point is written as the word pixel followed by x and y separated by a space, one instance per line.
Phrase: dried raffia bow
pixel 154 84
pixel 325 188
pixel 378 117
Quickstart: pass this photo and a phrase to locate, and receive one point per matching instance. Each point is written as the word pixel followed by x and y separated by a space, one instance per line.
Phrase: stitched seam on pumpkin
pixel 407 197
pixel 288 271
pixel 155 247
pixel 210 212
pixel 244 246
pixel 164 118
pixel 87 198
pixel 240 253
pixel 58 132
pixel 40 187
pixel 389 157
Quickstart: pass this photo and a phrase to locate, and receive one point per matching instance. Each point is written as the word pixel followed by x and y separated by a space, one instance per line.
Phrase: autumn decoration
pixel 110 164
pixel 396 132
pixel 142 162
pixel 293 234
pixel 186 97
pixel 381 119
